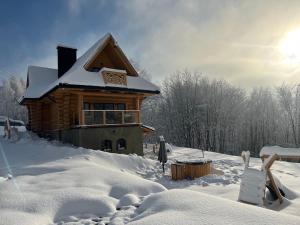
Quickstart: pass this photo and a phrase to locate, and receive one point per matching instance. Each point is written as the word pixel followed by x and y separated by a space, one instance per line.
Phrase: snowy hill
pixel 50 183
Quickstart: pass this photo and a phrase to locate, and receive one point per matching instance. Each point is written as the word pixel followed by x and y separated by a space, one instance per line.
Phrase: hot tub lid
pixel 194 161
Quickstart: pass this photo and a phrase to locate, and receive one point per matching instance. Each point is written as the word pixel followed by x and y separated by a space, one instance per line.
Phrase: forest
pixel 214 115
pixel 11 90
pixel 198 112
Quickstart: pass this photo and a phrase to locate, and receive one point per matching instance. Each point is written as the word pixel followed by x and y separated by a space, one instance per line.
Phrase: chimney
pixel 66 57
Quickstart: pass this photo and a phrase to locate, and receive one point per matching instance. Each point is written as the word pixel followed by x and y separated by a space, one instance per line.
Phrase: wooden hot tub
pixel 190 169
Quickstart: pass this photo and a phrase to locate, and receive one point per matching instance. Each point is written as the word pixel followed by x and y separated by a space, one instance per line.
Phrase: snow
pixel 39 80
pixel 104 69
pixel 253 186
pixel 226 178
pixel 148 127
pixel 193 161
pixel 19 122
pixel 179 207
pixel 43 78
pixel 169 147
pixel 51 183
pixel 20 129
pixel 268 150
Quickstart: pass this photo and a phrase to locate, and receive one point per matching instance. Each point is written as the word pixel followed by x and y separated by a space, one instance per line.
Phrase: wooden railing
pixel 110 117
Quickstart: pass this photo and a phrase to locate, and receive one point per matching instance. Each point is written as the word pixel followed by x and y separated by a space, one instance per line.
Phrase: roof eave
pixel 107 88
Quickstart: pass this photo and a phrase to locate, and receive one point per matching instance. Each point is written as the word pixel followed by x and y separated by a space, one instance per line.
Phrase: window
pixel 107 145
pixel 98 106
pixel 86 106
pixel 109 106
pixel 120 106
pixel 121 144
pixel 95 69
pixel 98 114
pixel 87 114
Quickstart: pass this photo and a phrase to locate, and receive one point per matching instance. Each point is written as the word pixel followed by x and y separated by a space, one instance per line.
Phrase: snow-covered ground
pixel 50 183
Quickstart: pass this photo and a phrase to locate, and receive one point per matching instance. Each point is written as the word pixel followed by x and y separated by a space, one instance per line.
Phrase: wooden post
pixel 138 112
pixel 123 119
pixel 274 186
pixel 268 165
pixel 79 109
pixel 104 117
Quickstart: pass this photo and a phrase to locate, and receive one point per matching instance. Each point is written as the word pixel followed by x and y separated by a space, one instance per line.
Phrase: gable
pixel 116 74
pixel 111 56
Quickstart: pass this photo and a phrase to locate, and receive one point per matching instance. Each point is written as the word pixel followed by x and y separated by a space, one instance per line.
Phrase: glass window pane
pixel 98 106
pixel 86 106
pixel 121 106
pixel 109 106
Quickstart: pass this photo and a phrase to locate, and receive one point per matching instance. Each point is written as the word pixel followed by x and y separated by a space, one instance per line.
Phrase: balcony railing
pixel 110 117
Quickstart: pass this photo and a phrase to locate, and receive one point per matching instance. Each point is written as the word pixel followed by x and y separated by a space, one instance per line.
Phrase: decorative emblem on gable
pixel 115 77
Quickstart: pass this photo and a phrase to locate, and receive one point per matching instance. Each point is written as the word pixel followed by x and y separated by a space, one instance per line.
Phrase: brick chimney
pixel 66 57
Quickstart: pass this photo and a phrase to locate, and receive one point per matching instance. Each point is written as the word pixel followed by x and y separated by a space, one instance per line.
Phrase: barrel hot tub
pixel 190 169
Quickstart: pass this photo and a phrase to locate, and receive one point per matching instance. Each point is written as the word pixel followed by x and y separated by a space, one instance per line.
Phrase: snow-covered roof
pixel 148 127
pixel 105 69
pixel 43 80
pixel 39 79
pixel 280 151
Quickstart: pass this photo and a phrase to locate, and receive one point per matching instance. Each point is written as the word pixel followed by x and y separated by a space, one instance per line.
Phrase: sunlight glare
pixel 290 46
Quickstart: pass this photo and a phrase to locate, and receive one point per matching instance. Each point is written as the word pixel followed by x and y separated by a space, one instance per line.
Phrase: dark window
pixel 98 114
pixel 109 106
pixel 121 144
pixel 121 106
pixel 88 117
pixel 107 145
pixel 86 106
pixel 95 69
pixel 98 106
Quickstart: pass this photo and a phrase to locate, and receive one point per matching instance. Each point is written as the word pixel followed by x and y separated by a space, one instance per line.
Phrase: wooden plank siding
pixel 63 109
pixel 111 56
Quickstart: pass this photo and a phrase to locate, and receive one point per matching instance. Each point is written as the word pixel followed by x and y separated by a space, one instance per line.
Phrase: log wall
pixel 63 108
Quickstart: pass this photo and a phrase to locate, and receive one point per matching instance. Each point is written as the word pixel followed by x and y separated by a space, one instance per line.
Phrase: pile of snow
pixel 253 186
pixel 227 173
pixel 179 207
pixel 50 183
pixel 169 148
pixel 269 150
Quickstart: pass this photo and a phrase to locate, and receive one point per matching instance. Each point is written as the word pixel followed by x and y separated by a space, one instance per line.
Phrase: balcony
pixel 110 117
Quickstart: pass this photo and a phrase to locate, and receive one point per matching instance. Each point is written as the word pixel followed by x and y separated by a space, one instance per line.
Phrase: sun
pixel 289 46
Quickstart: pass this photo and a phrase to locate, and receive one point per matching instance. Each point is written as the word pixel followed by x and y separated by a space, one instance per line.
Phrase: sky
pixel 238 41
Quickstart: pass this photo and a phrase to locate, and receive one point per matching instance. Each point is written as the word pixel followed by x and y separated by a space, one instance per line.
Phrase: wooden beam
pixel 99 50
pixel 276 189
pixel 137 106
pixel 271 161
pixel 106 93
pixel 79 109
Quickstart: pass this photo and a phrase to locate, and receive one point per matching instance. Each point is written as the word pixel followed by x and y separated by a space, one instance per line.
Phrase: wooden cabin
pixel 93 101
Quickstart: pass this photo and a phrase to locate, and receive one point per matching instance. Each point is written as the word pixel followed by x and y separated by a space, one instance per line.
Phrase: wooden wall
pixel 63 108
pixel 111 56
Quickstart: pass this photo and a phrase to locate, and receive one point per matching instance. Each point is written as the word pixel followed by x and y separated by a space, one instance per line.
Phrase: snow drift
pixel 51 183
pixel 177 207
pixel 46 183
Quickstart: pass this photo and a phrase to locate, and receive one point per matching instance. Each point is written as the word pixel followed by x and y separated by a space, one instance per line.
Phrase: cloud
pixel 234 40
pixel 74 6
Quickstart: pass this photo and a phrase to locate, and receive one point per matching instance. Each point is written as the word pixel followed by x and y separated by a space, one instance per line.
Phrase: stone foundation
pixel 93 138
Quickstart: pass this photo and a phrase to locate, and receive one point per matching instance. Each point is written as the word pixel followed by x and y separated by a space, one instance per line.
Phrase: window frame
pixel 119 141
